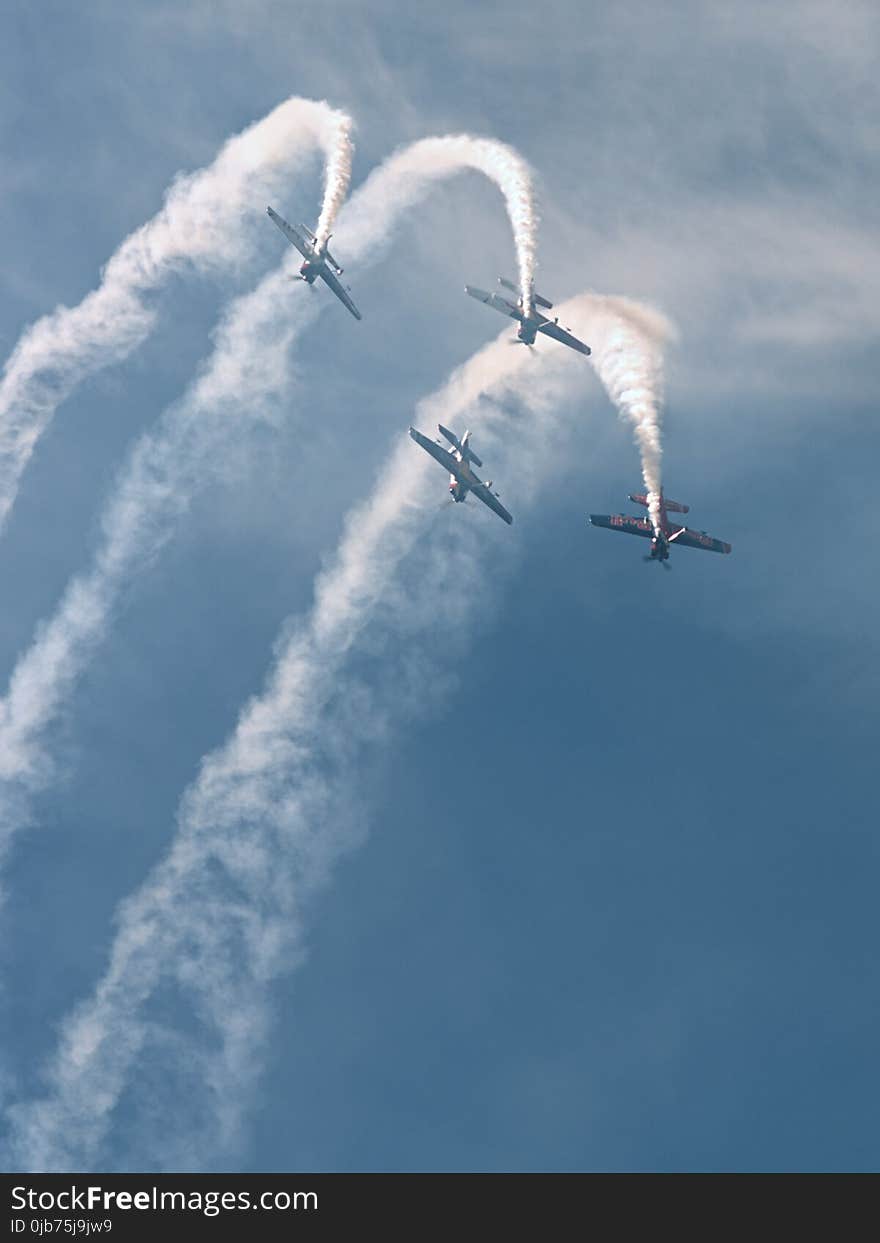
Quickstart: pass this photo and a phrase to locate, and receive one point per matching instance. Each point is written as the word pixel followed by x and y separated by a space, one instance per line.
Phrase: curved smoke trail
pixel 410 169
pixel 199 226
pixel 272 809
pixel 629 361
pixel 245 381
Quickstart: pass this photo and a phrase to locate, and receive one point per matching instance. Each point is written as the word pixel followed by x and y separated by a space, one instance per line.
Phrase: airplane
pixel 461 476
pixel 529 325
pixel 318 260
pixel 662 539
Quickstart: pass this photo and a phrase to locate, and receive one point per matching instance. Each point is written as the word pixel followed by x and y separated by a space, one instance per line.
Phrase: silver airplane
pixel 461 476
pixel 529 325
pixel 318 260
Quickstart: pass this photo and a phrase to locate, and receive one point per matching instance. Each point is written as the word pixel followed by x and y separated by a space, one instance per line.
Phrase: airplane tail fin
pixel 450 436
pixel 468 451
pixel 462 445
pixel 536 297
pixel 674 507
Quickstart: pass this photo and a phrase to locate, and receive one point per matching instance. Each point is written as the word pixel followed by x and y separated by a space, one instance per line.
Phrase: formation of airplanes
pixel 459 460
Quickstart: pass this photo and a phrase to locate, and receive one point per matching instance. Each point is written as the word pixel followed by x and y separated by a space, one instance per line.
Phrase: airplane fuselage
pixel 660 542
pixel 664 533
pixel 527 331
pixel 311 268
pixel 317 265
pixel 529 326
pixel 659 548
pixel 458 488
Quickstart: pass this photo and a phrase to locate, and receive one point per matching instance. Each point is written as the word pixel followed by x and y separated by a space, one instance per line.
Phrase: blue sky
pixel 610 901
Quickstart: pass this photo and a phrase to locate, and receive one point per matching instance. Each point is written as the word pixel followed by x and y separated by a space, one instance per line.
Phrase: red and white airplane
pixel 663 537
pixel 462 478
pixel 317 260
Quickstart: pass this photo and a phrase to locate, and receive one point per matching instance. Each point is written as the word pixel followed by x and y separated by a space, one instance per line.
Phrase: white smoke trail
pixel 243 383
pixel 337 176
pixel 270 812
pixel 629 360
pixel 199 225
pixel 431 159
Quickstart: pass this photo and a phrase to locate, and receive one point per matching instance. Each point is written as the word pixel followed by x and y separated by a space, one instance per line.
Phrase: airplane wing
pixel 488 497
pixel 296 239
pixel 339 289
pixel 623 522
pixel 698 539
pixel 437 452
pixel 494 300
pixel 559 334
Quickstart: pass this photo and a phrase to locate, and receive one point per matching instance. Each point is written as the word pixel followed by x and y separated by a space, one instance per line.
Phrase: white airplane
pixel 461 476
pixel 318 260
pixel 533 323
